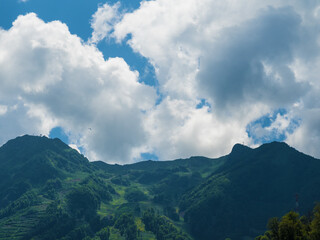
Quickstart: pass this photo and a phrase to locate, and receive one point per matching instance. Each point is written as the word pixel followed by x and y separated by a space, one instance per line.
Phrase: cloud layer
pixel 244 59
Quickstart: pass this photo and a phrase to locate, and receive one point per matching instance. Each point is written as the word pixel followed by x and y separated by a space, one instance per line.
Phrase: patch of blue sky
pixel 261 130
pixel 76 14
pixel 149 156
pixel 137 62
pixel 58 132
pixel 203 102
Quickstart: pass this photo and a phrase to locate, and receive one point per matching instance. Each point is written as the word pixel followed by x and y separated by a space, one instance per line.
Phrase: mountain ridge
pixel 35 141
pixel 231 196
pixel 264 182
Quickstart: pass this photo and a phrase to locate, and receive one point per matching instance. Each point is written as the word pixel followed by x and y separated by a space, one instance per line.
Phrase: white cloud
pixel 246 58
pixel 3 109
pixel 57 80
pixel 75 147
pixel 177 129
pixel 103 20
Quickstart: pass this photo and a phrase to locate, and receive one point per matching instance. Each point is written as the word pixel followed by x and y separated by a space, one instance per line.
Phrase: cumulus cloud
pixel 250 63
pixel 246 58
pixel 50 78
pixel 178 129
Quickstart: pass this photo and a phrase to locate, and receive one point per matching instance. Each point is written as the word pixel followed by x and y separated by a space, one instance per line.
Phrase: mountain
pixel 30 160
pixel 50 191
pixel 251 187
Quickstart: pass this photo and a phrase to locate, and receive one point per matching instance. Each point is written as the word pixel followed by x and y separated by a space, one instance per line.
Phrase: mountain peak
pixel 29 144
pixel 273 147
pixel 40 150
pixel 30 139
pixel 240 149
pixel 275 144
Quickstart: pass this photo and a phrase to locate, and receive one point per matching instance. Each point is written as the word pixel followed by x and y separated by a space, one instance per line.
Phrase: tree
pixel 83 202
pixel 127 227
pixel 162 227
pixel 315 224
pixel 104 234
pixel 273 225
pixel 135 195
pixel 291 228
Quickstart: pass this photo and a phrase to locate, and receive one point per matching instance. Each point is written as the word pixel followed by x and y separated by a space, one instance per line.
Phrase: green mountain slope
pixel 50 191
pixel 35 172
pixel 252 186
pixel 30 161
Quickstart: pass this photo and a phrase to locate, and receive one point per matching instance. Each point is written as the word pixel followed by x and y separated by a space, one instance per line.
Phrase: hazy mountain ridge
pixel 43 180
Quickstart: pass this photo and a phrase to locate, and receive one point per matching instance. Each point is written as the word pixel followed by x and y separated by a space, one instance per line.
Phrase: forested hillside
pixel 50 191
pixel 253 185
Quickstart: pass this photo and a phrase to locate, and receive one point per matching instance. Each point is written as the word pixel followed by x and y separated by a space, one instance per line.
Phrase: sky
pixel 129 80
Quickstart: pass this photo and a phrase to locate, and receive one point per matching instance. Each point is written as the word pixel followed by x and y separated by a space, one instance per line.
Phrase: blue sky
pixel 125 81
pixel 76 15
